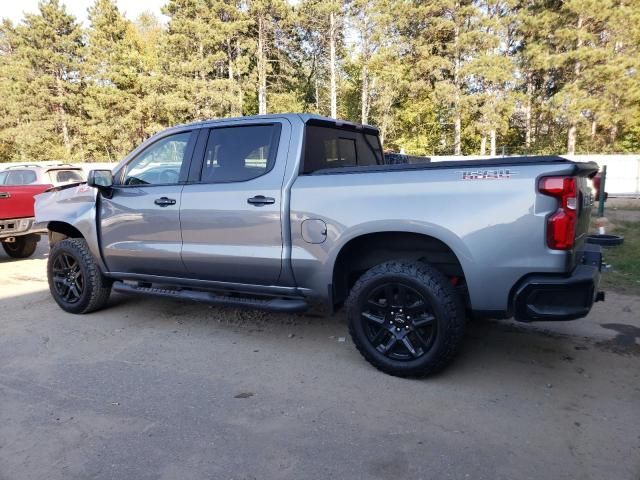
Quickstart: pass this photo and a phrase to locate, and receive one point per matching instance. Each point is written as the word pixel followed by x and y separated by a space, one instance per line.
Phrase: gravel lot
pixel 151 389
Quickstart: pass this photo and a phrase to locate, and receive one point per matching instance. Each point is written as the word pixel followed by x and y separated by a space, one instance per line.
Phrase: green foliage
pixel 624 276
pixel 436 76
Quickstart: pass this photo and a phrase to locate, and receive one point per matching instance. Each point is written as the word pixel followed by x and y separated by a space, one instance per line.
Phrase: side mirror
pixel 100 179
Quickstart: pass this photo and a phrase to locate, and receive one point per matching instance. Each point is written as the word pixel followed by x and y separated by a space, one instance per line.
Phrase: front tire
pixel 75 281
pixel 405 318
pixel 23 246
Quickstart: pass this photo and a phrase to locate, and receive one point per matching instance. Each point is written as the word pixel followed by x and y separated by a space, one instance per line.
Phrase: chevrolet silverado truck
pixel 286 211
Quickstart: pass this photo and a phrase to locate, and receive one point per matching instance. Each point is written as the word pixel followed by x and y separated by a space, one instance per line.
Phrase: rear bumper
pixel 548 297
pixel 17 227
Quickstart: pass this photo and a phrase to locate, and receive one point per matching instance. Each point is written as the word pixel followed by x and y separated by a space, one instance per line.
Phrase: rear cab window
pixel 65 176
pixel 338 147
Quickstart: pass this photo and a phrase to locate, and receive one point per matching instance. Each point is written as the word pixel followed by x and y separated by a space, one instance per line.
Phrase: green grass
pixel 624 276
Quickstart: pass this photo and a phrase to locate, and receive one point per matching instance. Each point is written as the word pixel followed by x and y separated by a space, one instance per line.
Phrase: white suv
pixel 29 174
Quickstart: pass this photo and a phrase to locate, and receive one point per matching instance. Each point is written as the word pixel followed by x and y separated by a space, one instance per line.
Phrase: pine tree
pixel 151 114
pixel 492 70
pixel 444 42
pixel 383 68
pixel 112 70
pixel 202 59
pixel 15 119
pixel 277 55
pixel 49 47
pixel 322 25
pixel 615 82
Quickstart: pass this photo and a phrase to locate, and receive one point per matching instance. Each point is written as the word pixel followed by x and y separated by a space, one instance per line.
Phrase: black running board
pixel 288 305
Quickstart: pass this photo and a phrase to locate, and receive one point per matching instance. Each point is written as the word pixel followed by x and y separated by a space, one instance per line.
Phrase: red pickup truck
pixel 18 185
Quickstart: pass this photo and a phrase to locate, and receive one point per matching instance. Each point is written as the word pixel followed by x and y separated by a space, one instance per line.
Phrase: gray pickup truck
pixel 281 212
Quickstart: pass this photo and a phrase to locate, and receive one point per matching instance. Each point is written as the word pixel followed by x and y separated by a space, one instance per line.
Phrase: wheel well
pixel 61 230
pixel 366 251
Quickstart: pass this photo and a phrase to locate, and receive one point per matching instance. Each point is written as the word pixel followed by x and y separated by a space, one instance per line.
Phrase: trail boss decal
pixel 495 174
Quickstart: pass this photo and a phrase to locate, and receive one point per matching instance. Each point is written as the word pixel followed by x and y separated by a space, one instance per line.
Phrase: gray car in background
pixel 284 211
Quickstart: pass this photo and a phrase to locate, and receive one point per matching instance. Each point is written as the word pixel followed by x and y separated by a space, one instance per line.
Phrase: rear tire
pixel 406 318
pixel 75 281
pixel 23 246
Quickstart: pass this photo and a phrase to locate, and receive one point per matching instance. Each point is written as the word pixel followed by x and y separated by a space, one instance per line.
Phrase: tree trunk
pixel 239 82
pixel 613 134
pixel 483 145
pixel 364 114
pixel 364 98
pixel 317 94
pixel 233 107
pixel 457 121
pixel 571 138
pixel 492 135
pixel 332 64
pixel 573 122
pixel 527 134
pixel 230 59
pixel 62 115
pixel 202 73
pixel 262 68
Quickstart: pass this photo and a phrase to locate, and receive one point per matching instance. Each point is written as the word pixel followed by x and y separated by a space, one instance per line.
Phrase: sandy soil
pixel 150 389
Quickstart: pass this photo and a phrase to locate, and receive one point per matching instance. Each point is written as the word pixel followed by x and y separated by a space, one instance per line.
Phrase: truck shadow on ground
pixel 489 347
pixel 488 344
pixel 42 252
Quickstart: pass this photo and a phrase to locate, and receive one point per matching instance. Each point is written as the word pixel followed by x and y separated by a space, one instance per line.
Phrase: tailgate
pixel 16 201
pixel 585 172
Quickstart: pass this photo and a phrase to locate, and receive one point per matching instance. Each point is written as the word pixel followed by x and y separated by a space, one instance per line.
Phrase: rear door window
pixel 238 154
pixel 327 147
pixel 20 177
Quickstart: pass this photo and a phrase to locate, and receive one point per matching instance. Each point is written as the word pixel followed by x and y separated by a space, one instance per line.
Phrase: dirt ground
pixel 151 389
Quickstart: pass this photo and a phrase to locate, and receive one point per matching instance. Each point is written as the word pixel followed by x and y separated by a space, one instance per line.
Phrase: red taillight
pixel 561 226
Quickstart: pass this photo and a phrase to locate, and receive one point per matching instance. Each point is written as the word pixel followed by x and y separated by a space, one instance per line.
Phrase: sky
pixel 14 9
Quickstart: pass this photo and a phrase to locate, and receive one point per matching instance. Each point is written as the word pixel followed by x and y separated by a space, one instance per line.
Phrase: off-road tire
pixel 97 287
pixel 446 305
pixel 23 247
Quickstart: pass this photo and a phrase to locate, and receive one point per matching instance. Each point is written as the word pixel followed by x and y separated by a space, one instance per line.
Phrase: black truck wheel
pixel 75 281
pixel 21 247
pixel 405 318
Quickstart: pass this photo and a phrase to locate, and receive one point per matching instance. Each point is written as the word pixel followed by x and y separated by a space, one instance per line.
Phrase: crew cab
pixel 286 211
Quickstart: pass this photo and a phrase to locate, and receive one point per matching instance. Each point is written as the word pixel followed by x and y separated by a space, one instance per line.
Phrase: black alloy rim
pixel 67 277
pixel 398 321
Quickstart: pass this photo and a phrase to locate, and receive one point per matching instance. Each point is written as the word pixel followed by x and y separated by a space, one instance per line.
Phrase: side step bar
pixel 287 305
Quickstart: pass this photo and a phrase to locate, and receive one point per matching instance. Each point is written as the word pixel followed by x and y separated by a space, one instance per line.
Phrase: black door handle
pixel 164 201
pixel 5 195
pixel 260 200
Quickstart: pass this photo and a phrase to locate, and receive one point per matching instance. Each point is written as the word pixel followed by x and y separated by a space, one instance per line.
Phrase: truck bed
pixel 495 162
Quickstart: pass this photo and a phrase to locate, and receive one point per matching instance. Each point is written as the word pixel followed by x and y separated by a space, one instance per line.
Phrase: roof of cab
pixel 305 117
